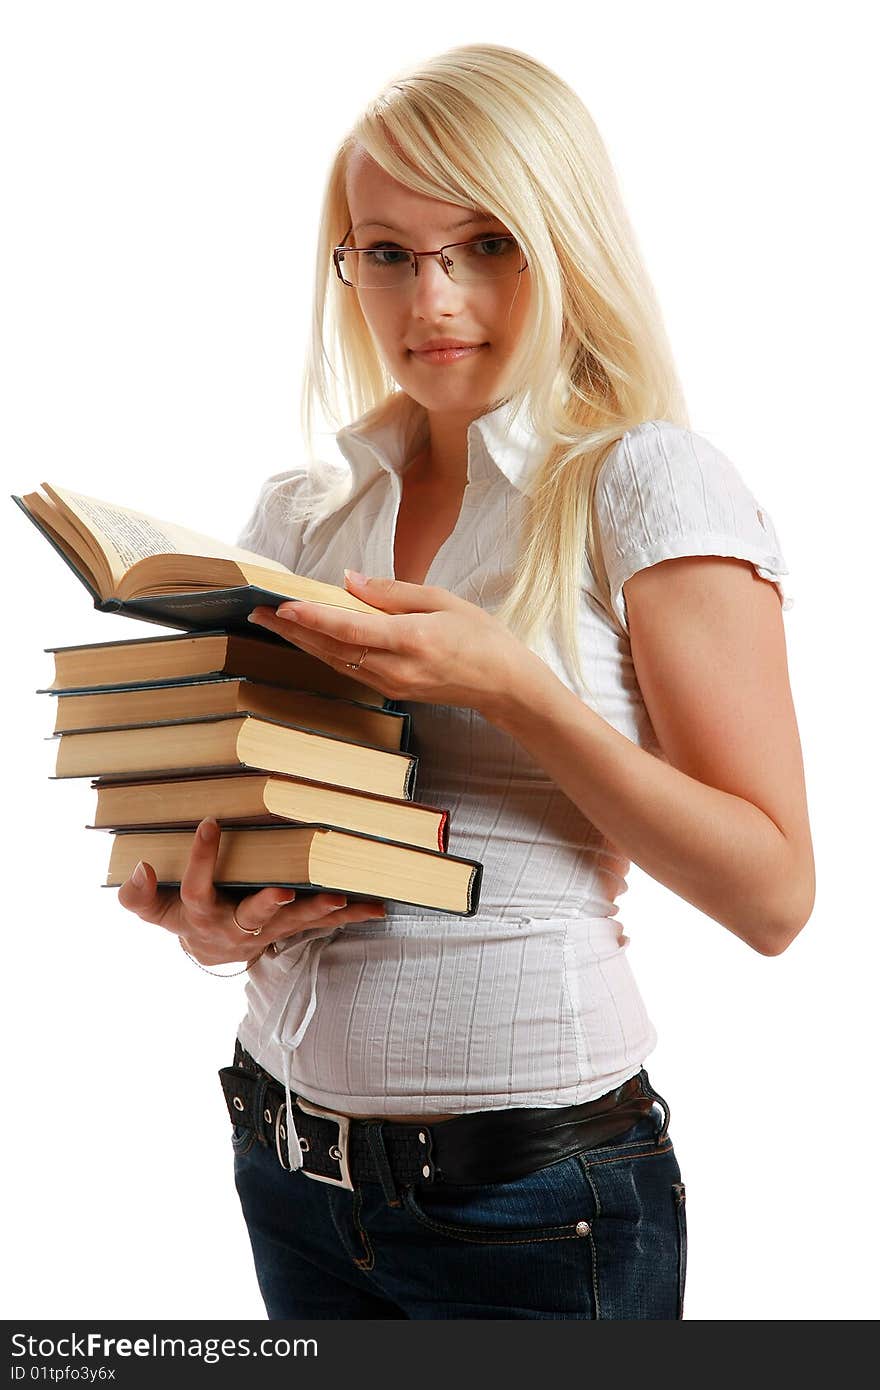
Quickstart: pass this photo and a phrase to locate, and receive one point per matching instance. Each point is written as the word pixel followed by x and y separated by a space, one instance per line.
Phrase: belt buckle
pixel 340 1147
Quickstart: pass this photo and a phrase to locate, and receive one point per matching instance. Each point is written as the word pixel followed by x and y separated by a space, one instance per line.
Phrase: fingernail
pixel 353 577
pixel 139 874
pixel 207 828
pixel 282 902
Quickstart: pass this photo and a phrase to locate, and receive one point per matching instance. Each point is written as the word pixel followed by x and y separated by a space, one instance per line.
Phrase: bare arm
pixel 724 823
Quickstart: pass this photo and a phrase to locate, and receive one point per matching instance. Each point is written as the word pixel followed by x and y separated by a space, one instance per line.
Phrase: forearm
pixel 712 848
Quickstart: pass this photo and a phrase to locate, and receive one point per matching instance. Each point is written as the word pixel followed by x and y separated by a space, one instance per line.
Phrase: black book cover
pixel 194 612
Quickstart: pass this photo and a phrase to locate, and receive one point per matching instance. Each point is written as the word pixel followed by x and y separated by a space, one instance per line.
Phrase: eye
pixel 494 245
pixel 383 253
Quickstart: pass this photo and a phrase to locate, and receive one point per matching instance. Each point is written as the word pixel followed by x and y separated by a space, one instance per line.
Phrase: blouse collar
pixel 390 434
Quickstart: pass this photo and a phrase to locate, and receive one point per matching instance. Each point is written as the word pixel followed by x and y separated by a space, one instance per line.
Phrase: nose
pixel 434 292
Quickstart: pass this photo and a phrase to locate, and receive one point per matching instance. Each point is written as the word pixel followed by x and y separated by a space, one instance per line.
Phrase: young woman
pixel 579 601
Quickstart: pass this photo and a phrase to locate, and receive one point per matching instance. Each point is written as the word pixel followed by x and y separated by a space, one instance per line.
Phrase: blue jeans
pixel 600 1234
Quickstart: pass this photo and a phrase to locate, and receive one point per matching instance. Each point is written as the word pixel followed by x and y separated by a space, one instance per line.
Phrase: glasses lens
pixel 385 267
pixel 382 267
pixel 484 260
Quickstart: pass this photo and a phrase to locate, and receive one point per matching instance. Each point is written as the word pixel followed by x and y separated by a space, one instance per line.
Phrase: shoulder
pixel 665 491
pixel 285 504
pixel 273 497
pixel 659 463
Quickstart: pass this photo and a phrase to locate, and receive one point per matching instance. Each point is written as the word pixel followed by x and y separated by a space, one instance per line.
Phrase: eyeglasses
pixel 465 262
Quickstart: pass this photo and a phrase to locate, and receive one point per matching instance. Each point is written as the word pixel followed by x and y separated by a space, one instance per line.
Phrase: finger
pixel 197 884
pixel 140 894
pixel 324 622
pixel 397 596
pixel 260 909
pixel 290 923
pixel 320 906
pixel 264 909
pixel 332 650
pixel 295 633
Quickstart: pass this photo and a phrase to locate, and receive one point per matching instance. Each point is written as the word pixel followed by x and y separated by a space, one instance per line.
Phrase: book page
pixel 127 536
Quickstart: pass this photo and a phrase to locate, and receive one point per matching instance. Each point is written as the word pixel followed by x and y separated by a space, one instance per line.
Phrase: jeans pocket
pixel 638 1230
pixel 243 1138
pixel 551 1203
pixel 678 1195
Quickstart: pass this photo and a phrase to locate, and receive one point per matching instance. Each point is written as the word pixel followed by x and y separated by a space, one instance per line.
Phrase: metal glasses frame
pixel 338 252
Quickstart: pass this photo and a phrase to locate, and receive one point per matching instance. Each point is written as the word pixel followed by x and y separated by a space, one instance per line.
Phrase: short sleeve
pixel 275 526
pixel 664 492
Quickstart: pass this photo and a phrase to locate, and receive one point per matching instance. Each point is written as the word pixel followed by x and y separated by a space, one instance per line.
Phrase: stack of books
pixel 307 771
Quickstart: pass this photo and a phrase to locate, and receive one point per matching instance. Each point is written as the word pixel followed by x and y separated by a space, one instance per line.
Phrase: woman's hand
pixel 425 644
pixel 202 918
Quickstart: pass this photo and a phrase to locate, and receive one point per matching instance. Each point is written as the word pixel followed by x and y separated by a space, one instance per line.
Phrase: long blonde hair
pixel 490 127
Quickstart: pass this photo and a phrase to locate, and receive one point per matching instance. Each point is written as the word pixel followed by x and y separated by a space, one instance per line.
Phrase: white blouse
pixel 531 1002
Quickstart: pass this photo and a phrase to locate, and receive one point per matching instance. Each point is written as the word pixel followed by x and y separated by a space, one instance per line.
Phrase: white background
pixel 162 165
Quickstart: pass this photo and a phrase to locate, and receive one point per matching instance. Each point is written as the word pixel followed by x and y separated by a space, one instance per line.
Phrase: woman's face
pixel 489 314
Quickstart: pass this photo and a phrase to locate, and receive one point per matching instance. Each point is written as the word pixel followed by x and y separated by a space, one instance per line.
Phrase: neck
pixel 445 458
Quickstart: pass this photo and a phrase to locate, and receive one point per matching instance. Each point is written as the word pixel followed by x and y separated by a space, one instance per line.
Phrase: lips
pixel 440 350
pixel 436 344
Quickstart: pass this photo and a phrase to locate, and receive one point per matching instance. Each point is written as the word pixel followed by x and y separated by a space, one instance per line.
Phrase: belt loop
pixel 373 1129
pixel 259 1101
pixel 648 1089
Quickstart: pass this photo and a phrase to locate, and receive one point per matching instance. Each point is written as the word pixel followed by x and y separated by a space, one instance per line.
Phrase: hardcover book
pixel 314 858
pixel 326 714
pixel 160 572
pixel 232 741
pixel 267 798
pixel 208 655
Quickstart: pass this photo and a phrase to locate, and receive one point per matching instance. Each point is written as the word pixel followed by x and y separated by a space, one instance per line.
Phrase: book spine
pixel 409 787
pixel 473 893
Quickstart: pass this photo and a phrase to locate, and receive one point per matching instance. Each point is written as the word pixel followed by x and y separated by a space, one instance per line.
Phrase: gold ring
pixel 353 665
pixel 245 929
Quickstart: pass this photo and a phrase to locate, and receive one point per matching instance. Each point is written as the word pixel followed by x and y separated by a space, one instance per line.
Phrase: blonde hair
pixel 492 128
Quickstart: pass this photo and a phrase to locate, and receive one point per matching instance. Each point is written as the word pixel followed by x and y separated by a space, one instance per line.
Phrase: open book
pixel 160 572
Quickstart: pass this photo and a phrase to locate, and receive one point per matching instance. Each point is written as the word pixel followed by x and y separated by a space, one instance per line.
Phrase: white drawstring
pixel 303 954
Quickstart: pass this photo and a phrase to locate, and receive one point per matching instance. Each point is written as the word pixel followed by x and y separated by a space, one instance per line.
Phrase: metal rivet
pixel 422 1139
pixel 426 1172
pixel 283 1131
pixel 335 1152
pixel 304 1145
pixel 267 1115
pixel 583 1228
pixel 238 1102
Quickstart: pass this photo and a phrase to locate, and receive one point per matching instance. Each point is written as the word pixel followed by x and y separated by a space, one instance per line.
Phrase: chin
pixel 450 402
pixel 449 395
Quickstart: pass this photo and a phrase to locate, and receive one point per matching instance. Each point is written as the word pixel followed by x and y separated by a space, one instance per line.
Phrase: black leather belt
pixel 483 1147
